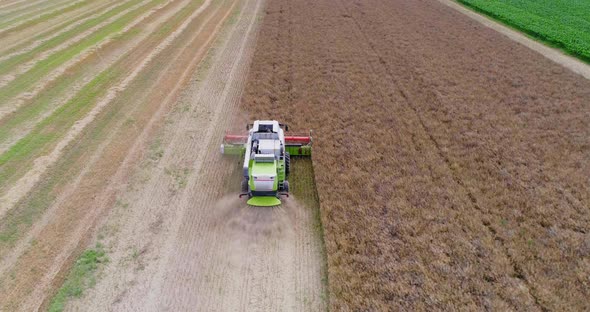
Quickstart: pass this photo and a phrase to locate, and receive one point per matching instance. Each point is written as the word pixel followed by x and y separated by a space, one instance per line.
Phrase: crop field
pixel 112 188
pixel 449 172
pixel 564 23
pixel 451 163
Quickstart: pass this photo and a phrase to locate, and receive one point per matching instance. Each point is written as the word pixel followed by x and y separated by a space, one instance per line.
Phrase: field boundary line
pixel 555 55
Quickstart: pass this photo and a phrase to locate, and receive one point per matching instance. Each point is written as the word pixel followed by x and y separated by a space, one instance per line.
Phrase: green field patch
pixel 564 24
pixel 9 64
pixel 81 277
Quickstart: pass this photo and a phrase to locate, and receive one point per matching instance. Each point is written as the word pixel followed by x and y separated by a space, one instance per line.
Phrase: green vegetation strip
pixel 11 125
pixel 19 219
pixel 45 17
pixel 20 157
pixel 27 80
pixel 81 277
pixel 54 127
pixel 564 24
pixel 10 63
pixel 32 10
pixel 54 29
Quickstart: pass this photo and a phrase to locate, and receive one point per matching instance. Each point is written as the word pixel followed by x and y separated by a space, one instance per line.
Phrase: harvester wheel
pixel 286 186
pixel 244 186
pixel 287 164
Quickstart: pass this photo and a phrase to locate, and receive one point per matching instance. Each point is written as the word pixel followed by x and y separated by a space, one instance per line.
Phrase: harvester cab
pixel 267 159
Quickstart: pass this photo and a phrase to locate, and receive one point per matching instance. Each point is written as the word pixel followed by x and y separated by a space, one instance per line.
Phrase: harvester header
pixel 267 152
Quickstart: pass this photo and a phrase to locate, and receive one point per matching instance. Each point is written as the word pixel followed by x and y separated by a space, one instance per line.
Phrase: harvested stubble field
pixel 113 194
pixel 451 163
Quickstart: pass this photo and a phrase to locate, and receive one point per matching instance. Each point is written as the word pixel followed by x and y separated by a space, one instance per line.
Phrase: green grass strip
pixel 54 126
pixel 52 30
pixel 46 16
pixel 9 64
pixel 81 277
pixel 27 80
pixel 25 12
pixel 557 23
pixel 10 125
pixel 19 220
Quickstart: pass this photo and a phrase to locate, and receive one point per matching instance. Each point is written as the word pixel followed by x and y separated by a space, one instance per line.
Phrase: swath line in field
pixel 19 65
pixel 16 124
pixel 30 9
pixel 24 38
pixel 28 43
pixel 33 18
pixel 14 3
pixel 25 183
pixel 9 259
pixel 44 71
pixel 8 11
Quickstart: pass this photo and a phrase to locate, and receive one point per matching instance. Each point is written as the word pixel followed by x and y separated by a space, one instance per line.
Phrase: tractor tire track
pixel 157 197
pixel 414 114
pixel 186 268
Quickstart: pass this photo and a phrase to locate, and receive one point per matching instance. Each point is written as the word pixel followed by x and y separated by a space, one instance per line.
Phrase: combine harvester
pixel 267 159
